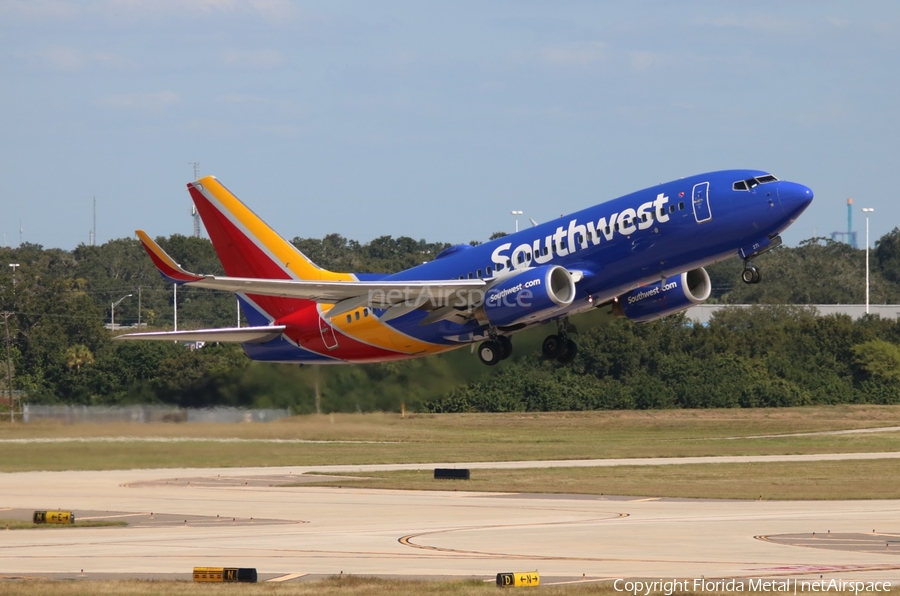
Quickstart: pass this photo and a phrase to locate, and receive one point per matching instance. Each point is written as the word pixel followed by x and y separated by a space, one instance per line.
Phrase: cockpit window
pixel 754 182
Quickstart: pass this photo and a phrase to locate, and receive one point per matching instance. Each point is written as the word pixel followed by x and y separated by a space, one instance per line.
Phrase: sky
pixel 434 120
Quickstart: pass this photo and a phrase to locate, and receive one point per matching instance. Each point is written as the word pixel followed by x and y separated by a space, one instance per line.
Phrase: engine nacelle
pixel 527 296
pixel 649 303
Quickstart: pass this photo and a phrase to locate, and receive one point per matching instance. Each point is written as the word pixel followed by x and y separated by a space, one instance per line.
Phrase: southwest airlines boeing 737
pixel 643 254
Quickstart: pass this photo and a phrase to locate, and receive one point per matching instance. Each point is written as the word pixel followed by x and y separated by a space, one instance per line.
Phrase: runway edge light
pixel 225 574
pixel 518 579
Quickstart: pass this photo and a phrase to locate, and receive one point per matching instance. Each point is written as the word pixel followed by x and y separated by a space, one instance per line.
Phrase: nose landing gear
pixel 751 274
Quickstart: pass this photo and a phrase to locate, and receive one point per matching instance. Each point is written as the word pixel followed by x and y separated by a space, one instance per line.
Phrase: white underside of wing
pixel 229 334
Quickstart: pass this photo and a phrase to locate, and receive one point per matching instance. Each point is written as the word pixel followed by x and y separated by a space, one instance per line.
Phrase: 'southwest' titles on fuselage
pixel 576 236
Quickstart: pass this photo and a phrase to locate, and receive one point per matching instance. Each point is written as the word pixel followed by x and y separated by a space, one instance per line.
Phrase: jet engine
pixel 663 298
pixel 527 296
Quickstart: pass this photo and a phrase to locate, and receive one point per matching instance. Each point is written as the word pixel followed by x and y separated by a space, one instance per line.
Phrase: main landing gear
pixel 751 274
pixel 498 348
pixel 560 346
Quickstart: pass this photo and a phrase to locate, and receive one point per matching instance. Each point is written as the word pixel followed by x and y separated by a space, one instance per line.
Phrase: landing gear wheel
pixel 553 346
pixel 569 355
pixel 506 347
pixel 490 353
pixel 751 275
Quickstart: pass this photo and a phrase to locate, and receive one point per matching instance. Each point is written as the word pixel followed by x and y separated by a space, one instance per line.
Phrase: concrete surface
pixel 310 531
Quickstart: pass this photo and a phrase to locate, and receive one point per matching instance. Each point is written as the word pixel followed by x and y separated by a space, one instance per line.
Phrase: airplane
pixel 642 254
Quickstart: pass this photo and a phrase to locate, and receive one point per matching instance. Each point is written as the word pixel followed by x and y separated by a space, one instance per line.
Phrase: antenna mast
pixel 94 226
pixel 194 213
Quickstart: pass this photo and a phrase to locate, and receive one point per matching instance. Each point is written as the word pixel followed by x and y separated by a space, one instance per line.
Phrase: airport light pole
pixel 867 211
pixel 516 214
pixel 6 316
pixel 112 324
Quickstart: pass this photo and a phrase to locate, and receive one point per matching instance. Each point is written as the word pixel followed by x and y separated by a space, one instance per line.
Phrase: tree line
pixel 62 352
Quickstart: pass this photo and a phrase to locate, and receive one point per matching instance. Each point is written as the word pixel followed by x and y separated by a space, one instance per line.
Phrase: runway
pixel 241 517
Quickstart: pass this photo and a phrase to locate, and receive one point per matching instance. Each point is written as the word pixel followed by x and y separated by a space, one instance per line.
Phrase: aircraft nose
pixel 794 197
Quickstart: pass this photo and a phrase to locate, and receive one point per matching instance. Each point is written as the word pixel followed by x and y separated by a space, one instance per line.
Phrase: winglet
pixel 168 268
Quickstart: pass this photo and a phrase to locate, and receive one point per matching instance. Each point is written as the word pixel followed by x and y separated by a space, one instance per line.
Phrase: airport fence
pixel 146 414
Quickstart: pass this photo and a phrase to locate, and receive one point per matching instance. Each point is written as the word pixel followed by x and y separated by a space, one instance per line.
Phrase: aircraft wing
pixel 346 295
pixel 233 334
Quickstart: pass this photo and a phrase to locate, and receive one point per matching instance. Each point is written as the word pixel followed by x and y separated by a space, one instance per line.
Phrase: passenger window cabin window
pixel 489 271
pixel 365 312
pixel 349 318
pixel 608 231
pixel 499 266
pixel 470 275
pixel 478 273
pixel 644 217
pixel 681 206
pixel 521 258
pixel 357 315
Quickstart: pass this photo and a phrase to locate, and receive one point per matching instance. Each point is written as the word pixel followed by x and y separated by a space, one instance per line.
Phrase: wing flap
pixel 244 335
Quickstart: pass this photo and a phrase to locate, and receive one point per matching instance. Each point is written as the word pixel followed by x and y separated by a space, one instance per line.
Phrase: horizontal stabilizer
pixel 244 335
pixel 376 294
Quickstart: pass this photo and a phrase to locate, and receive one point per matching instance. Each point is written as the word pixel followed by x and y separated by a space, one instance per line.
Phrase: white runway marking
pixel 287 578
pixel 821 433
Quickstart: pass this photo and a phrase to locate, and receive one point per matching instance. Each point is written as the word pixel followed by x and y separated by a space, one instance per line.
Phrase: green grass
pixel 346 586
pixel 835 480
pixel 423 438
pixel 18 524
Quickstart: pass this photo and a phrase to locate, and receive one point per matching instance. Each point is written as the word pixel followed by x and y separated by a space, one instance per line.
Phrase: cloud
pixel 273 11
pixel 641 60
pixel 574 54
pixel 252 58
pixel 140 101
pixel 282 106
pixel 71 59
pixel 758 22
pixel 40 9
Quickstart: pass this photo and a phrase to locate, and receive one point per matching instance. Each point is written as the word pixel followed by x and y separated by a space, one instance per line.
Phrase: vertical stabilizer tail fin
pixel 245 244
